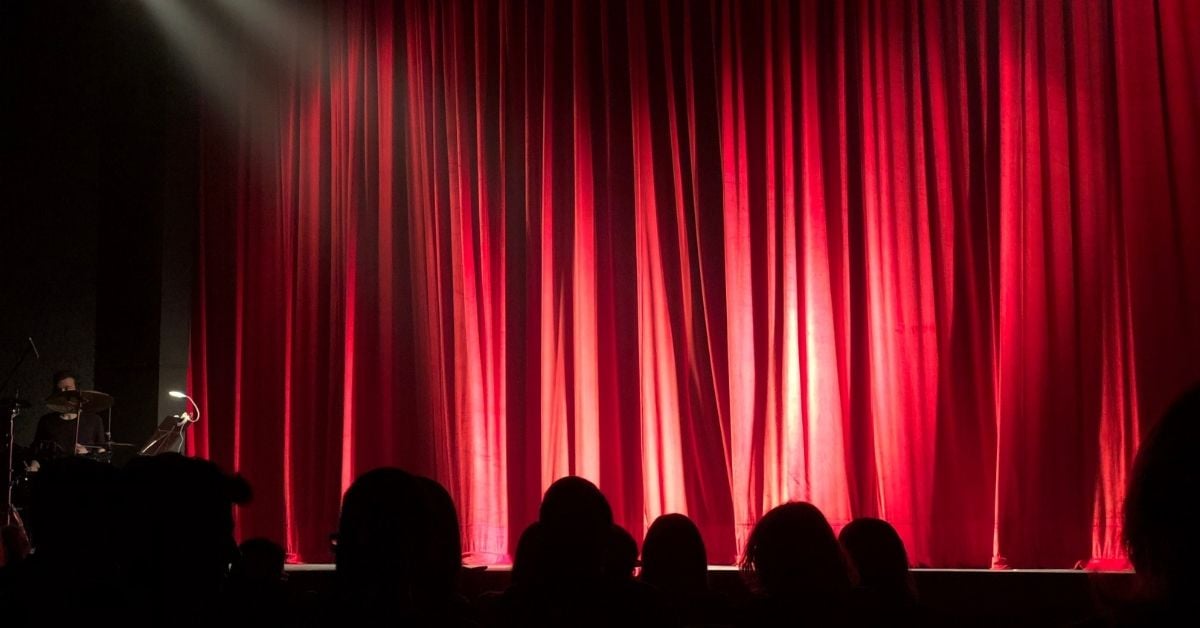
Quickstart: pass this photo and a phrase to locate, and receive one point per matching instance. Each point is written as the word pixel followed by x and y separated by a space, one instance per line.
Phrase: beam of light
pixel 241 54
pixel 208 53
pixel 277 28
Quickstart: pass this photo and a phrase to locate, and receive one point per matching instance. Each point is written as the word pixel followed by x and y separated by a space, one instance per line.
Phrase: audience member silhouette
pixel 567 583
pixel 527 568
pixel 173 538
pixel 399 553
pixel 529 563
pixel 675 562
pixel 257 595
pixel 674 558
pixel 154 544
pixel 261 562
pixel 68 578
pixel 1160 527
pixel 622 553
pixel 887 594
pixel 794 564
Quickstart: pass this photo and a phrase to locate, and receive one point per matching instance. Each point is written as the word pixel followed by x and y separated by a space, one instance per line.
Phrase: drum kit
pixel 20 471
pixel 23 463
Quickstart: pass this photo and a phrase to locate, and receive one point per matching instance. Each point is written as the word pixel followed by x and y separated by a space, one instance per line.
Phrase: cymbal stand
pixel 10 514
pixel 78 420
pixel 9 511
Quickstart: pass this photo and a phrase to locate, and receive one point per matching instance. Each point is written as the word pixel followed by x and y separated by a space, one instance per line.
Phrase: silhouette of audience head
pixel 398 539
pixel 67 497
pixel 673 556
pixel 262 561
pixel 878 554
pixel 174 524
pixel 793 554
pixel 576 528
pixel 1160 529
pixel 622 553
pixel 529 564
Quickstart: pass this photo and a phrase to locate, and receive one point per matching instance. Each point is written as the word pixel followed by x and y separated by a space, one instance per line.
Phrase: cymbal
pixel 76 400
pixel 12 403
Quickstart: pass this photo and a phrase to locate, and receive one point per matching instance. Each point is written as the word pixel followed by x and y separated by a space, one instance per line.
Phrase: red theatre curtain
pixel 928 261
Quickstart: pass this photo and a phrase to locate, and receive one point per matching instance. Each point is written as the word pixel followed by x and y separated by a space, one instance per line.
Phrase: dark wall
pixel 97 185
pixel 49 186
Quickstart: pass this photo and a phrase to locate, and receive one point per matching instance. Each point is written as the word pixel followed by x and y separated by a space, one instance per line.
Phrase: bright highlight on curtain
pixel 926 261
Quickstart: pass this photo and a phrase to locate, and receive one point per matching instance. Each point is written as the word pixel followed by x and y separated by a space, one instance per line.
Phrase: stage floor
pixel 978 597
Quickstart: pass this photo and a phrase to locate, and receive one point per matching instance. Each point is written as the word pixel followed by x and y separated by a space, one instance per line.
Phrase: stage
pixel 923 262
pixel 977 597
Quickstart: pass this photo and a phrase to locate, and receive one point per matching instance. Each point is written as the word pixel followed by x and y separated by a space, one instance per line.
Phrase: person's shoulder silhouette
pixel 1160 524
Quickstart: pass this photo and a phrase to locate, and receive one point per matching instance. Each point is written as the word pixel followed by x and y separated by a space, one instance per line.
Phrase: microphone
pixel 34 347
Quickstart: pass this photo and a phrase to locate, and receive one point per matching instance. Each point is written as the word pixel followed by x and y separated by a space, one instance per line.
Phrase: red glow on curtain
pixel 924 261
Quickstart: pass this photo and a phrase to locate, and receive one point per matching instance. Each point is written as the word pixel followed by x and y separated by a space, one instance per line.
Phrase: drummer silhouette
pixel 70 428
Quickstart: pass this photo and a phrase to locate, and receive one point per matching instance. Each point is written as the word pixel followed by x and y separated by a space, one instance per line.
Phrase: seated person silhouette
pixel 675 562
pixel 69 577
pixel 886 594
pixel 794 564
pixel 1160 524
pixel 256 593
pixel 563 572
pixel 173 538
pixel 57 431
pixel 399 554
pixel 622 553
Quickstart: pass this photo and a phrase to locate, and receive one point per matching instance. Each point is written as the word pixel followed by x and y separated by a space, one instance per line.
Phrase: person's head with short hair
pixel 262 561
pixel 64 379
pixel 673 556
pixel 576 527
pixel 879 558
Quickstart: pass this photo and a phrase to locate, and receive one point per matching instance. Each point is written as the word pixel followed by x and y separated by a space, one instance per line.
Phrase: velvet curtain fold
pixel 927 261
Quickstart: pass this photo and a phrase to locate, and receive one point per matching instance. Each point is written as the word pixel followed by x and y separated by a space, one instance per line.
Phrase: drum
pixel 98 456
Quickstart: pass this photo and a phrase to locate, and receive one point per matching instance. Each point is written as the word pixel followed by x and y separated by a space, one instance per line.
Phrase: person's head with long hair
pixel 576 529
pixel 793 554
pixel 1160 529
pixel 673 556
